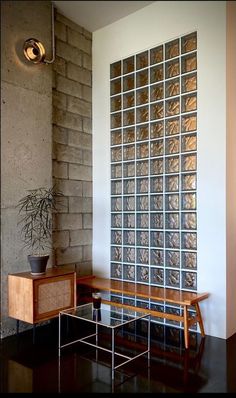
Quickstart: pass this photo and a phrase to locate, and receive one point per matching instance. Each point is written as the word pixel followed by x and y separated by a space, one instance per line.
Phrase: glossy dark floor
pixel 208 366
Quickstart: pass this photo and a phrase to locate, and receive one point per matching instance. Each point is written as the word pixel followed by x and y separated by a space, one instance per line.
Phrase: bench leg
pixel 198 311
pixel 186 336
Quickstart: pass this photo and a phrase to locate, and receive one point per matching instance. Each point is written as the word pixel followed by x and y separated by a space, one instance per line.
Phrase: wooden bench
pixel 182 298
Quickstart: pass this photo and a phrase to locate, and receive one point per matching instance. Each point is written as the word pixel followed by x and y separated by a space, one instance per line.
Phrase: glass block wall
pixel 153 137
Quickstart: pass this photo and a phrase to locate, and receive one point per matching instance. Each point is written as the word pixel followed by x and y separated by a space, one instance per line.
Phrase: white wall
pixel 153 25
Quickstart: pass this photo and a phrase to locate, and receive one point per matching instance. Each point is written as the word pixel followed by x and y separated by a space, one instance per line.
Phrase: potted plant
pixel 35 211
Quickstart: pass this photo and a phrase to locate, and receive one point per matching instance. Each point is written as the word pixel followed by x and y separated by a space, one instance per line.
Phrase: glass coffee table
pixel 109 316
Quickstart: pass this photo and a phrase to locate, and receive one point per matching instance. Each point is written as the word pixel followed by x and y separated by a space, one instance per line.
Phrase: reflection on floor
pixel 208 366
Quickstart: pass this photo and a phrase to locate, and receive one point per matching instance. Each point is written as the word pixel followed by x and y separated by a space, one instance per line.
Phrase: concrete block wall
pixel 72 144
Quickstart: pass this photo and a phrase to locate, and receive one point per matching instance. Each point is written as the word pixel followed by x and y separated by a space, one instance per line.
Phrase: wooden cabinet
pixel 37 298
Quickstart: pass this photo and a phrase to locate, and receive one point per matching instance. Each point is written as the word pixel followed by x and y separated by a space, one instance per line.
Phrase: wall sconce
pixel 34 50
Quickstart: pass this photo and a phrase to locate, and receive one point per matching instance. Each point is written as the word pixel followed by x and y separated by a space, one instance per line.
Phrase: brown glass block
pixel 172 164
pixel 157 277
pixel 172 107
pixel 129 169
pixel 189 280
pixel 116 103
pixel 189 240
pixel 129 254
pixel 143 274
pixel 129 203
pixel 129 186
pixel 142 96
pixel 116 120
pixel 189 43
pixel 128 82
pixel 172 145
pixel 116 137
pixel 115 86
pixel 156 166
pixel 172 202
pixel 116 187
pixel 116 253
pixel 157 257
pixel 156 220
pixel 189 63
pixel 157 239
pixel 128 65
pixel 156 129
pixel 172 126
pixel 128 152
pixel 189 82
pixel 116 171
pixel 189 143
pixel 142 133
pixel 156 55
pixel 156 184
pixel 142 114
pixel 129 272
pixel 172 240
pixel 189 260
pixel 129 238
pixel 189 103
pixel 142 256
pixel 128 100
pixel 128 135
pixel 142 78
pixel 156 92
pixel 189 201
pixel 116 204
pixel 143 220
pixel 116 154
pixel 128 118
pixel 189 182
pixel 172 183
pixel 156 73
pixel 189 221
pixel 116 237
pixel 189 122
pixel 156 202
pixel 142 150
pixel 142 203
pixel 116 220
pixel 172 49
pixel 172 87
pixel 172 68
pixel 142 238
pixel 157 110
pixel 189 162
pixel 156 148
pixel 115 69
pixel 129 220
pixel 142 185
pixel 172 258
pixel 142 60
pixel 116 270
pixel 172 278
pixel 142 168
pixel 172 221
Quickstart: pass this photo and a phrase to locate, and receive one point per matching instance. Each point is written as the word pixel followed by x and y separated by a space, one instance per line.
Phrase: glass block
pixel 156 166
pixel 142 132
pixel 189 280
pixel 172 183
pixel 189 122
pixel 116 237
pixel 142 78
pixel 157 277
pixel 129 220
pixel 189 221
pixel 189 63
pixel 156 129
pixel 128 152
pixel 129 169
pixel 172 49
pixel 189 83
pixel 142 304
pixel 156 220
pixel 116 270
pixel 172 240
pixel 116 204
pixel 128 65
pixel 172 278
pixel 142 238
pixel 116 220
pixel 189 240
pixel 116 171
pixel 173 336
pixel 142 60
pixel 172 164
pixel 115 86
pixel 172 221
pixel 172 145
pixel 143 220
pixel 116 187
pixel 156 202
pixel 115 120
pixel 189 162
pixel 156 148
pixel 157 110
pixel 116 299
pixel 128 135
pixel 172 258
pixel 156 184
pixel 129 254
pixel 116 103
pixel 173 311
pixel 129 238
pixel 172 107
pixel 128 301
pixel 172 202
pixel 129 186
pixel 189 260
pixel 116 154
pixel 157 257
pixel 128 82
pixel 156 55
pixel 172 126
pixel 129 272
pixel 142 256
pixel 142 185
pixel 142 150
pixel 172 68
pixel 116 253
pixel 156 92
pixel 116 137
pixel 189 142
pixel 189 42
pixel 142 168
pixel 156 74
pixel 189 103
pixel 189 182
pixel 143 274
pixel 115 69
pixel 189 201
pixel 128 100
pixel 128 118
pixel 142 114
pixel 172 87
pixel 142 203
pixel 142 96
pixel 157 239
pixel 129 203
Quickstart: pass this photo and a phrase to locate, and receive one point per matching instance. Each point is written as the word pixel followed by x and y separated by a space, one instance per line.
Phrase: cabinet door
pixel 52 295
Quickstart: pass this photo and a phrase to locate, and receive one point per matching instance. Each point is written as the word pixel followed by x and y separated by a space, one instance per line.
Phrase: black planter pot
pixel 38 264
